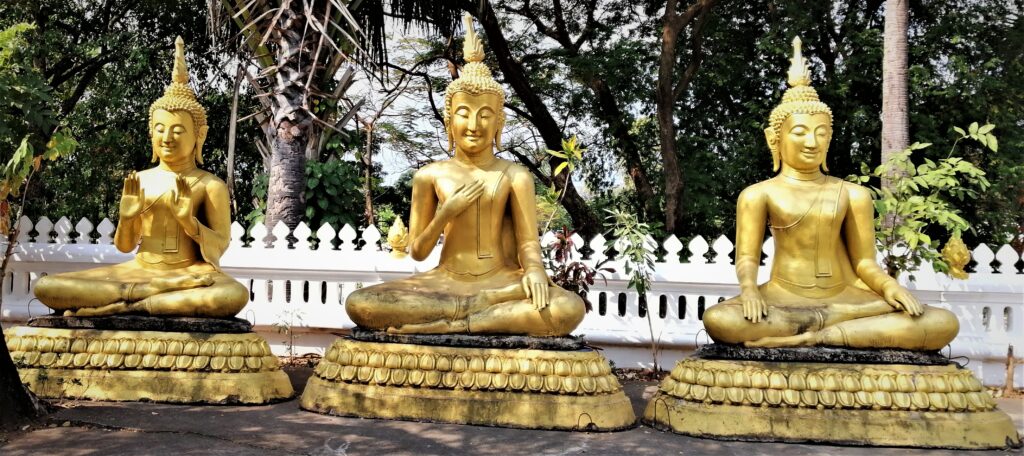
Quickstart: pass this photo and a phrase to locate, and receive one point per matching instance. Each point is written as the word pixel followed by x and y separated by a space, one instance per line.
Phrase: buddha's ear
pixel 200 139
pixel 773 145
pixel 497 133
pixel 451 137
pixel 155 157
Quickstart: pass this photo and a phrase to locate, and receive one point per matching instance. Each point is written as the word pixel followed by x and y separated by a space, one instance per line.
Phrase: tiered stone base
pixel 939 406
pixel 519 388
pixel 158 366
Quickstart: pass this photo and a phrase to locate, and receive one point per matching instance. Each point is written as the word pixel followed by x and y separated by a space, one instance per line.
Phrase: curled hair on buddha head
pixel 178 96
pixel 800 98
pixel 474 79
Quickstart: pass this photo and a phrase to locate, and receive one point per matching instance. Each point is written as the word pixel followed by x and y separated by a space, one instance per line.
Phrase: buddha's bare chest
pixel 496 186
pixel 797 208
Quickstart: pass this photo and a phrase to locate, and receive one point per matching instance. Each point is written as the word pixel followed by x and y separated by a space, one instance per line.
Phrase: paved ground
pixel 94 428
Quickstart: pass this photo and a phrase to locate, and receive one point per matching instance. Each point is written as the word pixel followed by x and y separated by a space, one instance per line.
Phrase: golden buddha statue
pixel 490 278
pixel 179 218
pixel 825 287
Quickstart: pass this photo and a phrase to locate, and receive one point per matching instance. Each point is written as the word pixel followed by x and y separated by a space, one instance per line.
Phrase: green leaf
pixel 960 130
pixel 560 167
pixel 985 129
pixel 993 144
pixel 973 128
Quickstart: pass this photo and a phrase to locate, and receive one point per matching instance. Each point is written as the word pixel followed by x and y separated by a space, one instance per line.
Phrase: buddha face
pixel 803 140
pixel 174 137
pixel 475 121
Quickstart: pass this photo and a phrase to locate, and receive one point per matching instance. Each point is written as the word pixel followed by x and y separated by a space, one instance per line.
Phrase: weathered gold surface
pixel 490 278
pixel 148 365
pixel 179 218
pixel 537 389
pixel 901 405
pixel 825 286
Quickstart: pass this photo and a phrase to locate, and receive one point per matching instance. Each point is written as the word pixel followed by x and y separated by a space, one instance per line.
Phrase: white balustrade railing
pixel 298 291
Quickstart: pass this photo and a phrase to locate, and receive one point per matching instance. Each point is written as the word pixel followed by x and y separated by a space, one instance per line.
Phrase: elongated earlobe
pixel 200 140
pixel 773 146
pixel 497 133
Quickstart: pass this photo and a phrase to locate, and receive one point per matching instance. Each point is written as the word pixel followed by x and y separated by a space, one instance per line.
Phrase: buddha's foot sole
pixel 518 388
pixel 880 405
pixel 156 366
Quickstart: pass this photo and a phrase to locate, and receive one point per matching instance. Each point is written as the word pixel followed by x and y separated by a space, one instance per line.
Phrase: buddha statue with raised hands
pixel 825 287
pixel 490 278
pixel 178 217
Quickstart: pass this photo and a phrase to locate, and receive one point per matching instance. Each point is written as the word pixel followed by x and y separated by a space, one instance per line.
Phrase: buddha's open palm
pixel 902 299
pixel 133 197
pixel 462 198
pixel 182 199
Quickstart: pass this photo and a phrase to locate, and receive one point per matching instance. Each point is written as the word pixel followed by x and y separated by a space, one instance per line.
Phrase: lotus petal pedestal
pixel 790 395
pixel 99 359
pixel 533 388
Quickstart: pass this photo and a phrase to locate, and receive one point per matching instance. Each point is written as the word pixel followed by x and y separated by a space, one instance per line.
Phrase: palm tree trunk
pixel 293 57
pixel 286 200
pixel 895 125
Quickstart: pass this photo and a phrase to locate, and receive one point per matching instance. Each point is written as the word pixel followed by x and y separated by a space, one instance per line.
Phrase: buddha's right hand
pixel 754 306
pixel 133 197
pixel 464 195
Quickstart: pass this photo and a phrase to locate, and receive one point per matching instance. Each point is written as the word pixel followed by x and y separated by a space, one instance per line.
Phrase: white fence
pixel 298 293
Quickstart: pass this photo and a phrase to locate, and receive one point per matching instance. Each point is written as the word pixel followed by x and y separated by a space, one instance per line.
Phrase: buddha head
pixel 474 102
pixel 177 122
pixel 800 128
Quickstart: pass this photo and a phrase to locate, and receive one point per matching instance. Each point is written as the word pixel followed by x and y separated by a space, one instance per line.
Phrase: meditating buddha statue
pixel 178 217
pixel 825 287
pixel 874 375
pixel 490 278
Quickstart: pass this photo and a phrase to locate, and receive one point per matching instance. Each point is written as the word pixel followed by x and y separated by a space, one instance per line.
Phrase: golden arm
pixel 524 216
pixel 128 233
pixel 214 236
pixel 859 230
pixel 425 228
pixel 751 220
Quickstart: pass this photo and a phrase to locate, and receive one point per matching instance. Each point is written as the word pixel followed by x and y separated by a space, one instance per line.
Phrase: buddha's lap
pixel 86 288
pixel 440 283
pixel 133 271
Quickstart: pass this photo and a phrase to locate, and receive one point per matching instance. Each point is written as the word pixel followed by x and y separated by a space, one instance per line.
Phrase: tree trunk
pixel 583 218
pixel 669 90
pixel 895 126
pixel 286 193
pixel 16 404
pixel 618 128
pixel 666 104
pixel 368 175
pixel 293 56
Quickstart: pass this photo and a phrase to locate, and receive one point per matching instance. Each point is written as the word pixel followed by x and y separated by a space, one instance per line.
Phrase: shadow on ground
pixel 98 428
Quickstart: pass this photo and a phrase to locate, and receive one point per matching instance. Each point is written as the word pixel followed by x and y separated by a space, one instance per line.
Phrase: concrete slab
pixel 282 429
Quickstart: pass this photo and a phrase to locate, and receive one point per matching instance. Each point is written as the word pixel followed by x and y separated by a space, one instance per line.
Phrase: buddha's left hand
pixel 902 299
pixel 182 198
pixel 535 283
